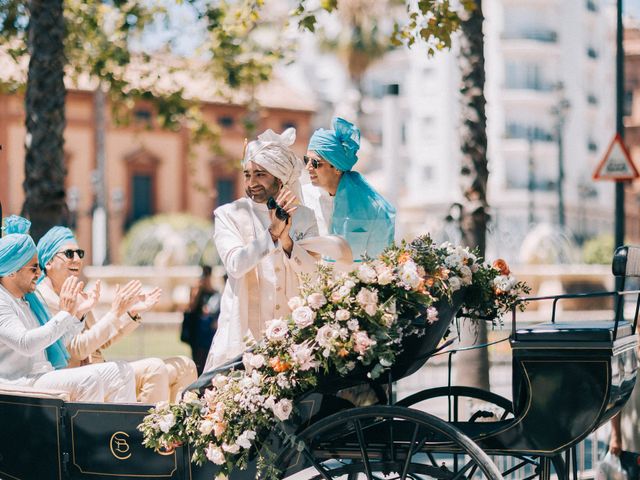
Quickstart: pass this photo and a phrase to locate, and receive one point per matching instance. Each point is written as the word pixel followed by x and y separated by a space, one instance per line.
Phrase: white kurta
pixel 261 277
pixel 23 361
pixel 322 205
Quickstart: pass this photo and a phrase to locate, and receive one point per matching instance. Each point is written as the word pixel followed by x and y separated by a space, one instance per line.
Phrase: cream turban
pixel 273 153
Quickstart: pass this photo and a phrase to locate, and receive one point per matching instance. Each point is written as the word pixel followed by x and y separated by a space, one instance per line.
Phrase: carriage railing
pixel 618 309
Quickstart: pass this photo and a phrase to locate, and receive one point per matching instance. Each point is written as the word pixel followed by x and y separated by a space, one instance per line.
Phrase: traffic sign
pixel 616 164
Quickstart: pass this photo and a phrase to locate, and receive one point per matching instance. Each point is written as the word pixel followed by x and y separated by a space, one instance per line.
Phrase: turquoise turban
pixel 338 146
pixel 51 243
pixel 16 249
pixel 360 214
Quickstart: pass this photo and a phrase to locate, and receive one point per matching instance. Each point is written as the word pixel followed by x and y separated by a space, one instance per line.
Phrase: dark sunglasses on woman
pixel 69 253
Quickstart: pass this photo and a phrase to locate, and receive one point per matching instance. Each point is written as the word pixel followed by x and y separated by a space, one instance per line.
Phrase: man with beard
pixel 32 351
pixel 157 379
pixel 260 240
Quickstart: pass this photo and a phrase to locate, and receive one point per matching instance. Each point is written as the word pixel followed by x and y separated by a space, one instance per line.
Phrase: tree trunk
pixel 472 367
pixel 45 171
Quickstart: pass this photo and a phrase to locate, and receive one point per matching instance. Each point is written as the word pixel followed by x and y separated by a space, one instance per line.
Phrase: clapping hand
pixel 126 297
pixel 288 202
pixel 146 302
pixel 88 300
pixel 69 295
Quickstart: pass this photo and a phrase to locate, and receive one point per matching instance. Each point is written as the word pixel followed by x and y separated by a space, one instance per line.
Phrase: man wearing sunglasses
pixel 343 201
pixel 32 353
pixel 259 241
pixel 156 379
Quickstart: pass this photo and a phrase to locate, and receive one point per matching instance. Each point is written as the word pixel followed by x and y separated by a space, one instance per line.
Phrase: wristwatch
pixel 135 318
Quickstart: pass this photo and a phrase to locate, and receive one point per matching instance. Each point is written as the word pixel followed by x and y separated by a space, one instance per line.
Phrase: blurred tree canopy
pixel 66 39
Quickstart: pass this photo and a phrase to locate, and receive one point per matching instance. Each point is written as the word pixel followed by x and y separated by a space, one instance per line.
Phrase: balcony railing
pixel 539 86
pixel 547 36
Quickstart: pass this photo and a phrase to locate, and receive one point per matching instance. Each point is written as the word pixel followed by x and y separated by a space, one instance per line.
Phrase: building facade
pixel 148 170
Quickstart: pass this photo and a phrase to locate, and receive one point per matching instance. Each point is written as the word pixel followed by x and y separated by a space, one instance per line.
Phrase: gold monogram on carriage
pixel 119 446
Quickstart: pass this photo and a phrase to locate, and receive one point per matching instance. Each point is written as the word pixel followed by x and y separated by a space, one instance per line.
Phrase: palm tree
pixel 45 120
pixel 473 365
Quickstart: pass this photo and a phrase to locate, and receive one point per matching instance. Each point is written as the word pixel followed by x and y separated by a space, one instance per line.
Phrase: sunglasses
pixel 70 252
pixel 315 163
pixel 281 213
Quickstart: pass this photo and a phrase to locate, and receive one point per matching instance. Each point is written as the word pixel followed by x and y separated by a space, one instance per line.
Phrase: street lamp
pixel 531 184
pixel 559 112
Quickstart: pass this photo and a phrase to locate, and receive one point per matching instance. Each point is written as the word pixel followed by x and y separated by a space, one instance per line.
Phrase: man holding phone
pixel 258 239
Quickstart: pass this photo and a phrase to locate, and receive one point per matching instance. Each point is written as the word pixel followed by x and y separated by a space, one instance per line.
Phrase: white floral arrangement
pixel 339 322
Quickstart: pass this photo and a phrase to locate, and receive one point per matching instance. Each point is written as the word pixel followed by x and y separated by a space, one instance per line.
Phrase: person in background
pixel 201 318
pixel 32 351
pixel 60 257
pixel 343 201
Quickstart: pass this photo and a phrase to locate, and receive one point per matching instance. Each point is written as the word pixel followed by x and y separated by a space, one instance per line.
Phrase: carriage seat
pixel 31 392
pixel 601 331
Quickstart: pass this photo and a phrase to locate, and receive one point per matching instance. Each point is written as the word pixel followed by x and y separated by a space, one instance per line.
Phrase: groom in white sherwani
pixel 261 247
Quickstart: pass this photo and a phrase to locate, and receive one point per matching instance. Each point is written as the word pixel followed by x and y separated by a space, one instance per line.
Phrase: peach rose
pixel 501 266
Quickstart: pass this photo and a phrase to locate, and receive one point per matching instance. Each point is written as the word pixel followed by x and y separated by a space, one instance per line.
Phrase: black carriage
pixel 568 379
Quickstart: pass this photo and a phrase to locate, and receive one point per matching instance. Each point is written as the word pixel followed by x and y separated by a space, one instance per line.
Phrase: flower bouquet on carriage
pixel 387 315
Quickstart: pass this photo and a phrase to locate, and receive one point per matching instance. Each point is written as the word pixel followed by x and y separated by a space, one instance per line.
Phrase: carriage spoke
pixel 363 451
pixel 461 473
pixel 321 470
pixel 517 467
pixel 405 468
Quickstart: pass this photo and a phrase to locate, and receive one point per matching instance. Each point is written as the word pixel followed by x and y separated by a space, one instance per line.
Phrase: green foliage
pixel 599 250
pixel 182 238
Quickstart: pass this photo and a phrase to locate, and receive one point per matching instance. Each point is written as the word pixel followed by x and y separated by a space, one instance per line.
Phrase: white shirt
pixel 23 340
pixel 261 277
pixel 321 203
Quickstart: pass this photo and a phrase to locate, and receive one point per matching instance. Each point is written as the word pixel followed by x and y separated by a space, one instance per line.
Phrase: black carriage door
pixel 104 443
pixel 31 438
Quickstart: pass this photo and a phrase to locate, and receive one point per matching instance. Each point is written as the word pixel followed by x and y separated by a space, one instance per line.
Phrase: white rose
pixel 368 299
pixel 432 315
pixel 206 427
pixel 303 316
pixel 165 422
pixel 467 275
pixel 349 284
pixel 215 454
pixel 326 335
pixel 282 409
pixel 235 448
pixel 244 439
pixel 366 273
pixel 277 329
pixel 454 283
pixel 388 319
pixel 409 274
pixel 302 355
pixel 316 300
pixel 342 315
pixel 190 397
pixel 219 381
pixel 295 302
pixel 353 325
pixel 386 276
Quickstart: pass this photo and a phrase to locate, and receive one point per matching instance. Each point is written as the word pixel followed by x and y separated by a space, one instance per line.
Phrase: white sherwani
pixel 261 277
pixel 23 361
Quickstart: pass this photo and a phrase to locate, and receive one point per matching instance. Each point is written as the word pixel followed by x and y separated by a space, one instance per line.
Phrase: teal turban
pixel 360 214
pixel 51 243
pixel 16 249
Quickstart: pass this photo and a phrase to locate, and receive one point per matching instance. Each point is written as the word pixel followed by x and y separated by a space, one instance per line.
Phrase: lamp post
pixel 559 112
pixel 531 184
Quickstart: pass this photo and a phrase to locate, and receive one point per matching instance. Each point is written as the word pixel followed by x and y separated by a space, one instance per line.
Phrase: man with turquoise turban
pixel 61 258
pixel 32 353
pixel 343 201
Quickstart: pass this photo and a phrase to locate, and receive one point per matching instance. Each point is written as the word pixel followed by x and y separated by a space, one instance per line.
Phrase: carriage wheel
pixel 473 404
pixel 386 443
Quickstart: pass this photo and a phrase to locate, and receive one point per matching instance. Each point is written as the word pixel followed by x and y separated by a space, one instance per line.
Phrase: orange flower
pixel 279 365
pixel 429 282
pixel 502 266
pixel 343 352
pixel 404 257
pixel 443 273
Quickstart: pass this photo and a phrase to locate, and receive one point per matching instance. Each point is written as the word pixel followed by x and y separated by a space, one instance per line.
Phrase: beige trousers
pixel 163 380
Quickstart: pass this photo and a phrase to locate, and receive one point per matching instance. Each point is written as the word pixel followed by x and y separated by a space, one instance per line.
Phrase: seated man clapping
pixel 156 380
pixel 31 351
